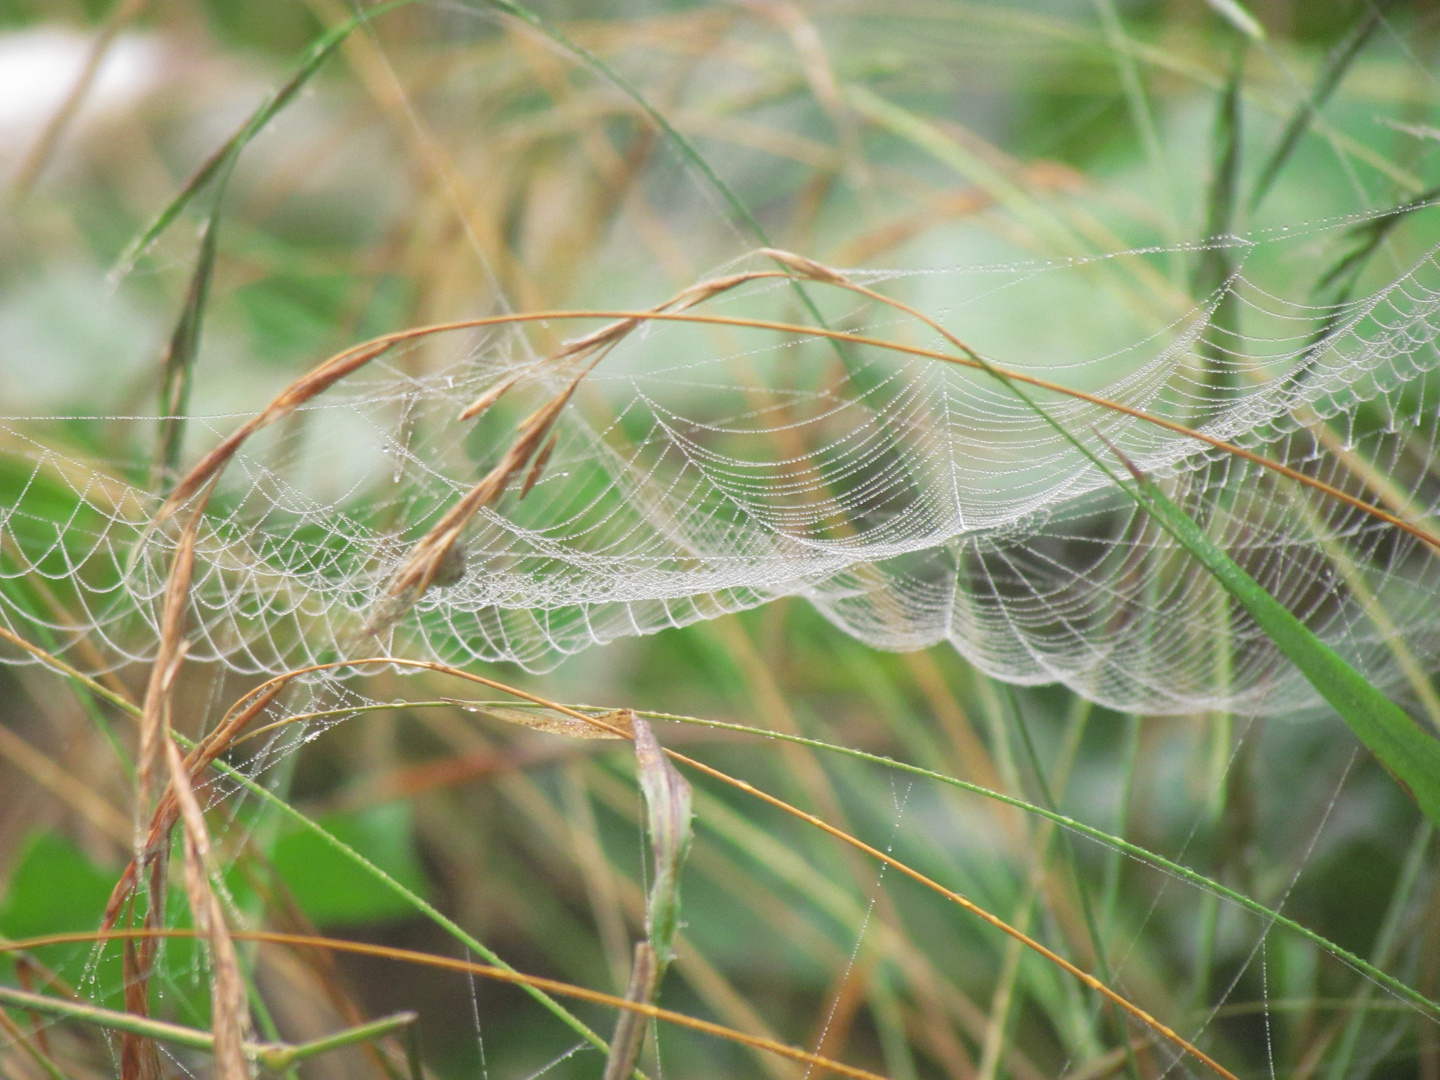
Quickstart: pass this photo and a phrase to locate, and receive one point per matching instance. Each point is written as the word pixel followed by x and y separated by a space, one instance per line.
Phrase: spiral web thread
pixel 702 471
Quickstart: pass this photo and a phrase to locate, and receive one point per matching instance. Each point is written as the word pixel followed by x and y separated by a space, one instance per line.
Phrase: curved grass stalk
pixel 468 967
pixel 315 56
pixel 344 363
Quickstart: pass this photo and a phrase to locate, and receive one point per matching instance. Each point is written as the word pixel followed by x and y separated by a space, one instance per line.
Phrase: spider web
pixel 703 470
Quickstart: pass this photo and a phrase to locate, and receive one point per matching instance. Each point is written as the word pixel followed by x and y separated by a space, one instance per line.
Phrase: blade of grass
pixel 315 56
pixel 1332 71
pixel 667 804
pixel 1214 269
pixel 488 971
pixel 179 362
pixel 1410 755
pixel 277 1057
pixel 1235 13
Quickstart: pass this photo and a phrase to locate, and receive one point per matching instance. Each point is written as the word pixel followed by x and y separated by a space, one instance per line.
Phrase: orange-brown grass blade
pixel 229 1004
pixel 345 362
pixel 410 956
pixel 138 1058
pixel 300 391
pixel 168 657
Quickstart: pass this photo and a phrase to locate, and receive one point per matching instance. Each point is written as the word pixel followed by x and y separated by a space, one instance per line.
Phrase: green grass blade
pixel 1410 755
pixel 277 1057
pixel 179 361
pixel 419 904
pixel 1235 13
pixel 1215 266
pixel 668 811
pixel 1331 72
pixel 215 165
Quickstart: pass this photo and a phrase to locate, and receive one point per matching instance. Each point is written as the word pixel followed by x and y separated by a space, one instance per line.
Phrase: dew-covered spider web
pixel 705 468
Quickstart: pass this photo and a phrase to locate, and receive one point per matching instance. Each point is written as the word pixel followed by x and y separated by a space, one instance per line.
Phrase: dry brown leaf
pixel 555 723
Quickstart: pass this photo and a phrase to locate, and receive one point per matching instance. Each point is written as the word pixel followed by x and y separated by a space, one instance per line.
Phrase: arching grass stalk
pixel 352 359
pixel 1410 755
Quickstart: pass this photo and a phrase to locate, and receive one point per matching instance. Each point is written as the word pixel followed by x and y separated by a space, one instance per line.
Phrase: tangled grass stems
pixel 1408 995
pixel 208 751
pixel 246 708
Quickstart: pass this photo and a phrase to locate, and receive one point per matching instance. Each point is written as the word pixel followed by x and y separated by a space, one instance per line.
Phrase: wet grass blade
pixel 225 156
pixel 1410 755
pixel 1336 64
pixel 1215 266
pixel 179 362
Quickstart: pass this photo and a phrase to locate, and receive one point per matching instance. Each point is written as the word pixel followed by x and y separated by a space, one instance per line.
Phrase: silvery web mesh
pixel 703 470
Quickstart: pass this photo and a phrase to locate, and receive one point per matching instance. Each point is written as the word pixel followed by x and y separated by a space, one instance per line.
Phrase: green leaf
pixel 54 889
pixel 331 889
